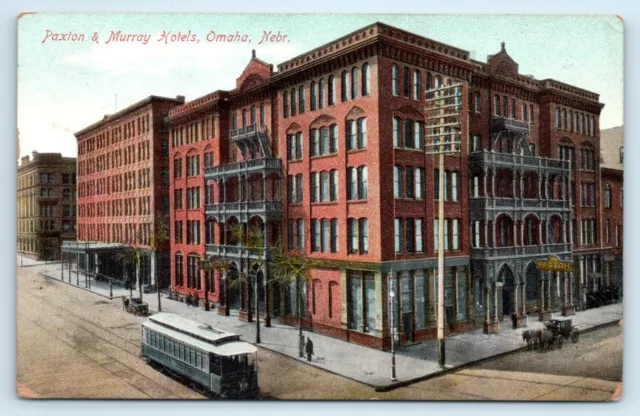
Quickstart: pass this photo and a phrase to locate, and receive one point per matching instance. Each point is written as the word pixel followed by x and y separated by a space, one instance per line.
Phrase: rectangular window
pixel 315 235
pixel 334 235
pixel 363 231
pixel 410 235
pixel 301 234
pixel 326 236
pixel 409 182
pixel 436 233
pixel 333 139
pixel 419 192
pixel 398 235
pixel 418 233
pixel 299 188
pixel 351 135
pixel 455 197
pixel 314 187
pixel 476 233
pixel 455 237
pixel 352 237
pixel 446 235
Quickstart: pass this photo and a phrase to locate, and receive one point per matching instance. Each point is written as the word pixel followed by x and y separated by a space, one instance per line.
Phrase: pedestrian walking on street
pixel 309 349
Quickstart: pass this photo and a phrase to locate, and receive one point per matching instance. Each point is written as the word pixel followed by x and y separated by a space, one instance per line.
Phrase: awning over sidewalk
pixel 84 247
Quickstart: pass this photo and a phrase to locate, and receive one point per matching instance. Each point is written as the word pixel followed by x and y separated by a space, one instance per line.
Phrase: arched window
pixel 179 269
pixel 366 79
pixel 417 88
pixel 496 105
pixel 558 121
pixel 593 126
pixel 344 86
pixel 354 83
pixel 331 90
pixel 622 154
pixel 333 185
pixel 395 80
pixel 301 99
pixel 363 181
pixel 285 108
pixel 262 116
pixel 294 102
pixel 531 112
pixel 478 102
pixel 321 94
pixel 352 184
pixel 313 97
pixel 244 117
pixel 438 85
pixel 564 119
pixel 588 125
pixel 582 129
pixel 607 196
pixel 50 193
pixel 525 116
pixel 324 186
pixel 66 195
pixel 571 121
pixel 362 133
pixel 407 82
pixel 333 138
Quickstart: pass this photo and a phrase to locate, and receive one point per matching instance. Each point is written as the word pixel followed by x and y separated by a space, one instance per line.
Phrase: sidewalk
pixel 367 365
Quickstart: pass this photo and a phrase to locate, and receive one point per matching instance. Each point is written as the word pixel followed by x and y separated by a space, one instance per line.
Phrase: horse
pixel 545 337
pixel 531 338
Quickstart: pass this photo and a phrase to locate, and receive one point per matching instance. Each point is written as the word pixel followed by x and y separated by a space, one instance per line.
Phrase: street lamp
pixel 443 118
pixel 392 329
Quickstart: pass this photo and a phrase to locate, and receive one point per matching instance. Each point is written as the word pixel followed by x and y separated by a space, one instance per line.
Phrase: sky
pixel 64 86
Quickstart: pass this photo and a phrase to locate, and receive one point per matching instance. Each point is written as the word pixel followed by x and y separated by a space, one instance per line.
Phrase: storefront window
pixel 462 294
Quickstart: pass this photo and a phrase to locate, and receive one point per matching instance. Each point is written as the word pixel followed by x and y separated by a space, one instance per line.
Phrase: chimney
pixel 24 160
pixel 180 98
pixel 34 154
pixel 253 53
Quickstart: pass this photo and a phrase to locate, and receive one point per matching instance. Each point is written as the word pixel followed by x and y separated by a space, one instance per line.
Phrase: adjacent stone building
pixel 46 204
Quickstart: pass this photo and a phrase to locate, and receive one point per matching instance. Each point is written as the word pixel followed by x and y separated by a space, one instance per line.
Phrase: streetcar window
pixel 215 365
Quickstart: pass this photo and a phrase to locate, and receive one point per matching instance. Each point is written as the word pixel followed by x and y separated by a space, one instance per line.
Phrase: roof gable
pixel 256 73
pixel 502 64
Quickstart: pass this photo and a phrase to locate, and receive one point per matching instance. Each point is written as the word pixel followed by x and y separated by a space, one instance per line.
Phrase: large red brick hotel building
pixel 123 189
pixel 327 154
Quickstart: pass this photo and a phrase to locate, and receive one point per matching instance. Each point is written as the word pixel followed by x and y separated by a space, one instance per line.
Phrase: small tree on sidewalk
pixel 159 242
pixel 253 242
pixel 289 267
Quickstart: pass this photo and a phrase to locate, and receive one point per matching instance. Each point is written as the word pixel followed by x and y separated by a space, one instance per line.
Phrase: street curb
pixel 472 363
pixel 78 287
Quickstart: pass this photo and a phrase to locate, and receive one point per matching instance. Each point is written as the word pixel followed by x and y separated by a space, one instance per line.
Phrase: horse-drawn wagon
pixel 554 334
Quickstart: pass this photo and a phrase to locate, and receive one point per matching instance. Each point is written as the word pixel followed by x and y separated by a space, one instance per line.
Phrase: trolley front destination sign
pixel 554 264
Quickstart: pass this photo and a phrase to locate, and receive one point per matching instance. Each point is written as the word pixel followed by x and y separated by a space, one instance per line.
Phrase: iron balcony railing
pixel 502 123
pixel 521 251
pixel 254 165
pixel 488 203
pixel 243 206
pixel 222 250
pixel 513 160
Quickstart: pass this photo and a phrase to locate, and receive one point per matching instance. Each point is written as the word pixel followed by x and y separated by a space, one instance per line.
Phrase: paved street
pixel 74 343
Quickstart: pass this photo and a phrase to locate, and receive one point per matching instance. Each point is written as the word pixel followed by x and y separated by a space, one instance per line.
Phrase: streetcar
pixel 216 360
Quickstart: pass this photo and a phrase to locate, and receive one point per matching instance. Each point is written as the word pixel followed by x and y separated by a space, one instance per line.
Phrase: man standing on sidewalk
pixel 309 349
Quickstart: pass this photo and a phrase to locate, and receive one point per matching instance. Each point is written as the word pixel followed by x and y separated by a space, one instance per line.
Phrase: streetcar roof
pixel 205 332
pixel 227 349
